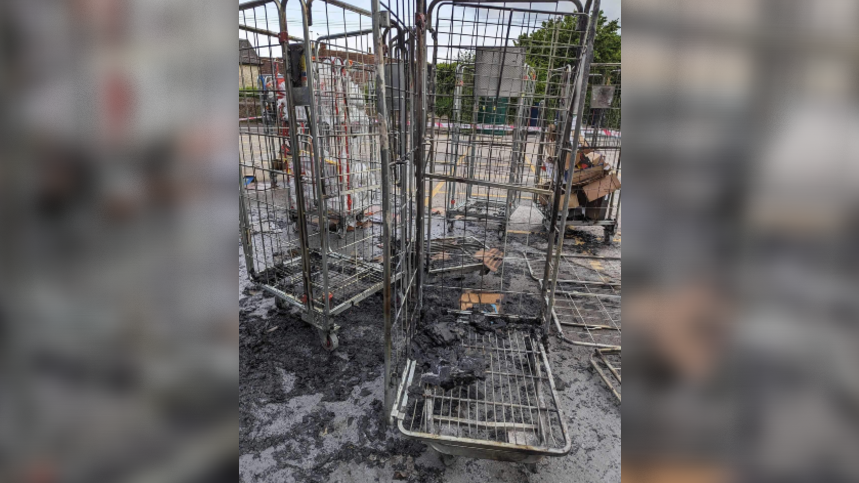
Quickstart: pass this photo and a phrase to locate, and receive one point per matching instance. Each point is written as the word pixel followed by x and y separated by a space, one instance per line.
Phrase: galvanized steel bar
pixel 304 240
pixel 576 110
pixel 488 184
pixel 269 33
pixel 314 131
pixel 384 151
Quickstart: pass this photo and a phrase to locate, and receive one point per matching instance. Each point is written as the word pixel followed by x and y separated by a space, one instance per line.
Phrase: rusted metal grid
pixel 473 150
pixel 601 136
pixel 587 310
pixel 607 363
pixel 514 413
pixel 322 199
pixel 516 408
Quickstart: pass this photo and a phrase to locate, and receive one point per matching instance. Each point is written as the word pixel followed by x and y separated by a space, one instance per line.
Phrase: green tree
pixel 563 34
pixel 607 41
pixel 445 82
pixel 444 77
pixel 553 46
pixel 556 44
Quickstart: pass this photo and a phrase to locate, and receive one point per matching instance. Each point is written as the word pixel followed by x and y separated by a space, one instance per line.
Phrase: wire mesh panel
pixel 397 75
pixel 607 364
pixel 514 407
pixel 477 83
pixel 319 209
pixel 497 93
pixel 596 173
pixel 272 244
pixel 587 310
pixel 477 380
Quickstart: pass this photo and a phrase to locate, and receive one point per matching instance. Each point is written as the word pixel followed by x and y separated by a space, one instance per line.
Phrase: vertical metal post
pixel 318 158
pixel 428 83
pixel 420 128
pixel 245 227
pixel 576 109
pixel 296 155
pixel 384 155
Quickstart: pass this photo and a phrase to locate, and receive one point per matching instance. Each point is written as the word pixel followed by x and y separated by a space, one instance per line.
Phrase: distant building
pixel 249 64
pixel 270 65
pixel 362 66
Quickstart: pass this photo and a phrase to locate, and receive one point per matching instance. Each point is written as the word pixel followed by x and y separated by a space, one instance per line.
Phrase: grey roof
pixel 247 54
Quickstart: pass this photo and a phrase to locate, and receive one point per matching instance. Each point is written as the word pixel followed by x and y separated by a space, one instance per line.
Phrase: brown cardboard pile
pixel 591 182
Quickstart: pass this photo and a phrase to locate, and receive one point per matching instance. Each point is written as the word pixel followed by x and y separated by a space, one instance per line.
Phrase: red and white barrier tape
pixel 509 128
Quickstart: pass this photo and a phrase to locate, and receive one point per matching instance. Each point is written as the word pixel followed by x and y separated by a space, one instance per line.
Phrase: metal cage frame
pixel 333 233
pixel 466 136
pixel 603 135
pixel 465 420
pixel 603 360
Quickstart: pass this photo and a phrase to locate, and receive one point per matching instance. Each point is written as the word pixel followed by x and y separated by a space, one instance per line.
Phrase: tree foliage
pixel 553 46
pixel 564 34
pixel 558 41
pixel 445 84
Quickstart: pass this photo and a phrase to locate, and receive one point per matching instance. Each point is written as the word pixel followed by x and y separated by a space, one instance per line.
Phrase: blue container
pixel 535 115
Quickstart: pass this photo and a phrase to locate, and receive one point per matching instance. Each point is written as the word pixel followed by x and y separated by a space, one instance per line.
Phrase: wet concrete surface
pixel 311 415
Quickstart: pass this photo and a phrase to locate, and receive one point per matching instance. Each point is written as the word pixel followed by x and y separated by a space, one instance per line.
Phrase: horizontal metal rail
pixel 336 3
pixel 486 424
pixel 254 4
pixel 490 184
pixel 265 32
pixel 356 190
pixel 588 294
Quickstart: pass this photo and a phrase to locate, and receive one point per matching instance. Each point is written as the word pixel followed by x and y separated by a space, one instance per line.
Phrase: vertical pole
pixel 420 153
pixel 245 228
pixel 319 163
pixel 576 109
pixel 384 154
pixel 296 155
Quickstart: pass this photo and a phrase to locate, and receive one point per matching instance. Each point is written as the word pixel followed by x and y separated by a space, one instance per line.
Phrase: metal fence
pixel 500 77
pixel 325 189
pixel 417 150
pixel 596 172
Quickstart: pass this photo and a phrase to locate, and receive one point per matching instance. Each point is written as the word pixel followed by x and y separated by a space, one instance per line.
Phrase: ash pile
pixel 446 350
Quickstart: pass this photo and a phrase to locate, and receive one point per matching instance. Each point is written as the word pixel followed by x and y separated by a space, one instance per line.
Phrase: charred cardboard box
pixel 594 195
pixel 600 187
pixel 544 200
pixel 591 188
pixel 591 184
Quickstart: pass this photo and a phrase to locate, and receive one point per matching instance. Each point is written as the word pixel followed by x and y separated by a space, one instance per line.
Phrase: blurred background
pixel 741 236
pixel 117 253
pixel 118 246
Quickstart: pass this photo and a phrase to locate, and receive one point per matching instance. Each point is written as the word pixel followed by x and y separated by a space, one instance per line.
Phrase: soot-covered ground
pixel 309 415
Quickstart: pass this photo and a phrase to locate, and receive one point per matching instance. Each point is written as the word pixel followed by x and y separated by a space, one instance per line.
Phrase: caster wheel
pixel 447 459
pixel 531 467
pixel 330 342
pixel 450 226
pixel 609 235
pixel 280 303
